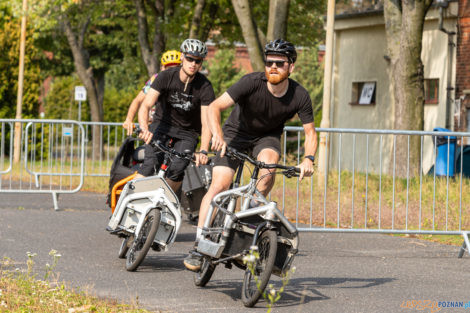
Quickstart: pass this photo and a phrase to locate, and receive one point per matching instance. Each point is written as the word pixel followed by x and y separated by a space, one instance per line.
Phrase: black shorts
pixel 154 158
pixel 247 144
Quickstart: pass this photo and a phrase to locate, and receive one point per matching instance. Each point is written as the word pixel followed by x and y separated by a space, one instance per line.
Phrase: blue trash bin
pixel 445 153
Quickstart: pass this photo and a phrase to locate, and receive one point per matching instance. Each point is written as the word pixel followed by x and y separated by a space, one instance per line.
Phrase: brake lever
pixel 290 173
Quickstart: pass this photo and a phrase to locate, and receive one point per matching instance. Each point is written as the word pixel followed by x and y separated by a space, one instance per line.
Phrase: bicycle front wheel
pixel 255 282
pixel 142 243
pixel 202 277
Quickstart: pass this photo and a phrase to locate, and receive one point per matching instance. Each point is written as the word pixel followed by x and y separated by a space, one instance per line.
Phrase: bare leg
pixel 268 156
pixel 222 177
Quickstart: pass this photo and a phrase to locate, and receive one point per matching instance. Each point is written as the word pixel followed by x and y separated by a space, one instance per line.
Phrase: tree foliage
pixel 107 31
pixel 9 60
pixel 223 73
pixel 304 20
pixel 309 73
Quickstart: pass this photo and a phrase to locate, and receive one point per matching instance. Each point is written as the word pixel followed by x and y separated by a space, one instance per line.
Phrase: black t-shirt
pixel 257 112
pixel 178 112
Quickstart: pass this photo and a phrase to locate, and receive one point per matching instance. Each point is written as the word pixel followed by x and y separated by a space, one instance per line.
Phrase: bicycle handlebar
pixel 289 171
pixel 162 147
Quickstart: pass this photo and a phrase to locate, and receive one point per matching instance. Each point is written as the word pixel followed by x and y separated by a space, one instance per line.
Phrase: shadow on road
pixel 299 290
pixel 160 263
pixel 186 237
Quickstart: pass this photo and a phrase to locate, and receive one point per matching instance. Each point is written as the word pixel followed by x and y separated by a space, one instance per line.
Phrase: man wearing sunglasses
pixel 181 96
pixel 263 103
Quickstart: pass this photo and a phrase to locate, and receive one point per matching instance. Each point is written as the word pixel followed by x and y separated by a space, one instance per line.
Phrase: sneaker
pixel 193 261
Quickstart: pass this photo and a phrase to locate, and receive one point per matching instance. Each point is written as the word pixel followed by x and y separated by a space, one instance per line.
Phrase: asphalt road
pixel 335 272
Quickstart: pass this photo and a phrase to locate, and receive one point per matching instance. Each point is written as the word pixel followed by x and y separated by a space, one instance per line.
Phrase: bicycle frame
pixel 268 211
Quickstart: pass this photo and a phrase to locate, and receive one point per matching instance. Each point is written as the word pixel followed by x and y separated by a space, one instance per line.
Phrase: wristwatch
pixel 311 158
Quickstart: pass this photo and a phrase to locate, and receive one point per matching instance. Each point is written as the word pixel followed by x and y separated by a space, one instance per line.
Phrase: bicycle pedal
pixel 228 265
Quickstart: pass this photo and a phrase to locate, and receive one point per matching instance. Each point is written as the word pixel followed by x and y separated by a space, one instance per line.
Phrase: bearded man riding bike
pixel 263 103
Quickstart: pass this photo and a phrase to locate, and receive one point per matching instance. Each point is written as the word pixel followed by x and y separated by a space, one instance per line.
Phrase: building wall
pixel 360 47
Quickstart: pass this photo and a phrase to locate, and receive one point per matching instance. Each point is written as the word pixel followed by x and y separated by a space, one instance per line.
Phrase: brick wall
pixel 463 48
pixel 242 59
pixel 461 123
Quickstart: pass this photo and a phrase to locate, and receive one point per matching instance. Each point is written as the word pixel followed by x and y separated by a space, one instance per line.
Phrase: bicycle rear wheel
pixel 142 243
pixel 255 283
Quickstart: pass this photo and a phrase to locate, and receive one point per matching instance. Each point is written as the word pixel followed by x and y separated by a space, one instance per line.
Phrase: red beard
pixel 275 77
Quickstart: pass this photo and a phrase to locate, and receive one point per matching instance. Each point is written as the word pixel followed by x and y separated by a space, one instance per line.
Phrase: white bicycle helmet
pixel 194 47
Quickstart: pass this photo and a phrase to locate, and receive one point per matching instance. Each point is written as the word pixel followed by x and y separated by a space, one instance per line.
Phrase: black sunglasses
pixel 270 63
pixel 191 60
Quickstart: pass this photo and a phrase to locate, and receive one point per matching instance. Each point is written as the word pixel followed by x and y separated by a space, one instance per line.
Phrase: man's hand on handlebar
pixel 218 144
pixel 201 158
pixel 306 169
pixel 145 135
pixel 129 126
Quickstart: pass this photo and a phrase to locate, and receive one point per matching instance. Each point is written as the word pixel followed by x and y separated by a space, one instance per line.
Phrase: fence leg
pixel 36 179
pixel 55 197
pixel 465 245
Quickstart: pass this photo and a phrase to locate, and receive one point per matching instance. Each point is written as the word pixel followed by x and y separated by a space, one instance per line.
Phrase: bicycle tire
pixel 124 247
pixel 267 248
pixel 204 275
pixel 142 243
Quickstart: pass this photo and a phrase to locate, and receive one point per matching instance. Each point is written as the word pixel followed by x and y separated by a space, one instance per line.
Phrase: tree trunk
pixel 94 85
pixel 204 32
pixel 150 56
pixel 196 23
pixel 277 23
pixel 404 22
pixel 250 33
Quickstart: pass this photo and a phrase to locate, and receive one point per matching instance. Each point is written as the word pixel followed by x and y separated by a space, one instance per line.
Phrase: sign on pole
pixel 80 93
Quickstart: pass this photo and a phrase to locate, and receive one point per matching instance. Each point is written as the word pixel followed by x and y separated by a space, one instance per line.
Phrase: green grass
pixel 22 291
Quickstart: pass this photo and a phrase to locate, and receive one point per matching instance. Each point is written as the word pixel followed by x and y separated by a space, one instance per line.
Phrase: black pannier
pixel 126 162
pixel 196 182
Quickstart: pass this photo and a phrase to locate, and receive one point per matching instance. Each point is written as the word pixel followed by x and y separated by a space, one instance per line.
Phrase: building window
pixel 363 93
pixel 431 91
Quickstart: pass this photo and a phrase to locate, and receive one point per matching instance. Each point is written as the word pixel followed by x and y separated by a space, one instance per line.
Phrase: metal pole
pixel 19 99
pixel 79 111
pixel 325 121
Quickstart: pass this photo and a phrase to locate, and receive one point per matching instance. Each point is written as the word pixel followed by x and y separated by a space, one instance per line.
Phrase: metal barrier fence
pixel 102 144
pixel 377 181
pixel 369 188
pixel 51 157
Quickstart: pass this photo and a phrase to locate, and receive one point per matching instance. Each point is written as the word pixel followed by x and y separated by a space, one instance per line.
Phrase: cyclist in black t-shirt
pixel 169 59
pixel 183 96
pixel 263 103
